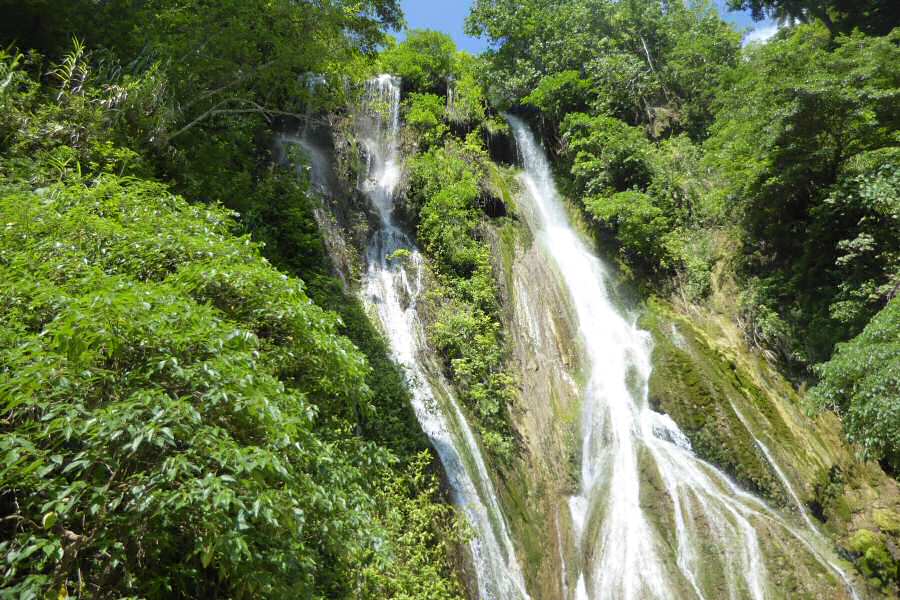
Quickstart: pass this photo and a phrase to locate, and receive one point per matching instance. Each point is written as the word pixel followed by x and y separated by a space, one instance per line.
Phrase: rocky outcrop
pixel 728 400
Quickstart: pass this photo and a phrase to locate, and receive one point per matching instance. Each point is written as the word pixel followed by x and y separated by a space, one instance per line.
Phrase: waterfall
pixel 392 287
pixel 701 536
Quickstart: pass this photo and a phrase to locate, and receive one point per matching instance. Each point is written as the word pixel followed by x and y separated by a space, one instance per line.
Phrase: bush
pixel 157 434
pixel 447 226
pixel 425 116
pixel 465 96
pixel 606 154
pixel 559 94
pixel 862 383
pixel 166 395
pixel 445 187
pixel 640 227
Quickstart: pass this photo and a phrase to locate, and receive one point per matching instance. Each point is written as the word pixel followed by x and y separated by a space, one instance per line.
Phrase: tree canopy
pixel 839 16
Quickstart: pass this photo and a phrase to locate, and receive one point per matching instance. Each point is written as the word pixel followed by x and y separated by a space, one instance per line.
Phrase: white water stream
pixel 626 547
pixel 393 284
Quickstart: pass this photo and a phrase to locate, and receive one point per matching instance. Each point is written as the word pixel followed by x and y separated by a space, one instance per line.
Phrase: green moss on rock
pixel 887 520
pixel 874 560
pixel 695 386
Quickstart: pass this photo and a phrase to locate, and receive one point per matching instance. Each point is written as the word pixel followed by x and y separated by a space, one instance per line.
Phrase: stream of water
pixel 626 546
pixel 393 284
pixel 650 519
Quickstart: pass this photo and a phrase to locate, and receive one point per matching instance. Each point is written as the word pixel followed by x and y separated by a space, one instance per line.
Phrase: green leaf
pixel 49 520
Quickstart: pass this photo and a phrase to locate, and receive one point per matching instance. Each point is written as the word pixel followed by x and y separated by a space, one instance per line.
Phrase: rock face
pixel 535 489
pixel 732 403
pixel 649 517
pixel 728 401
pixel 540 330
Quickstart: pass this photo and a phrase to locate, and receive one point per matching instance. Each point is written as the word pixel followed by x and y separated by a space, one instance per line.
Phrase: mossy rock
pixel 887 520
pixel 872 557
pixel 829 502
pixel 695 386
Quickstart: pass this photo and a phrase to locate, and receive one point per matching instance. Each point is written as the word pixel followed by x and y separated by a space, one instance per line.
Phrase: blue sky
pixel 448 16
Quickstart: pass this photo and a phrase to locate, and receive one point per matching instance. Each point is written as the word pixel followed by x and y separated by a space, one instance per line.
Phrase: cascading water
pixel 651 519
pixel 393 285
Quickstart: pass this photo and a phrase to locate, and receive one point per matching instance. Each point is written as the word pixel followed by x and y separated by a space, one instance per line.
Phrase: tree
pixel 641 61
pixel 606 154
pixel 839 16
pixel 424 60
pixel 558 94
pixel 425 115
pixel 639 226
pixel 799 128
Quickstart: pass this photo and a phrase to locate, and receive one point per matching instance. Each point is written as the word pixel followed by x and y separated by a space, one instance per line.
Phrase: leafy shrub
pixel 447 226
pixel 150 426
pixel 862 383
pixel 425 116
pixel 640 227
pixel 445 186
pixel 558 94
pixel 465 95
pixel 164 392
pixel 606 154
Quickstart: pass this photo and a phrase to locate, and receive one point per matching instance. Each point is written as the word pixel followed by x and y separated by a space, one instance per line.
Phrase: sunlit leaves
pixel 445 186
pixel 161 405
pixel 424 60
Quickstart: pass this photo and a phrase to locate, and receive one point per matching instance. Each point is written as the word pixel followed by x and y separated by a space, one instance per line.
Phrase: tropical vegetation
pixel 192 404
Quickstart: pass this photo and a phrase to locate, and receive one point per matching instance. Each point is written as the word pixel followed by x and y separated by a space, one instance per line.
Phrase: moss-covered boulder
pixel 726 398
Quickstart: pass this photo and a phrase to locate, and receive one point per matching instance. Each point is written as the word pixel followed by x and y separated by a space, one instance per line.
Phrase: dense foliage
pixel 451 183
pixel 862 382
pixel 424 61
pixel 180 419
pixel 839 16
pixel 162 386
pixel 806 142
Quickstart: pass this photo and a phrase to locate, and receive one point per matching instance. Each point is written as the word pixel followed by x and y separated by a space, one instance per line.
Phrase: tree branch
pixel 243 76
pixel 217 109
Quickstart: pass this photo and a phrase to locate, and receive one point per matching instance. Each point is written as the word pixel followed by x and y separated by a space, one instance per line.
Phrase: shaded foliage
pixel 806 143
pixel 839 16
pixel 862 383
